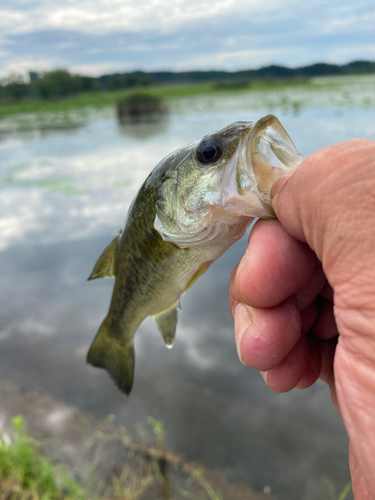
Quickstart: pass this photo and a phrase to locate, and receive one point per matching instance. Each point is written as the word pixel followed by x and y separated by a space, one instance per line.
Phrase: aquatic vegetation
pixel 140 106
pixel 231 85
pixel 62 186
pixel 43 174
pixel 121 184
pixel 291 96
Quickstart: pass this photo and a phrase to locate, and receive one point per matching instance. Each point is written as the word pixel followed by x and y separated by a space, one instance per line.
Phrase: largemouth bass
pixel 193 206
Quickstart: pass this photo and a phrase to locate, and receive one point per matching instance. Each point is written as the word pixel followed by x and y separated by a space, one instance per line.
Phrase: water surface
pixel 64 196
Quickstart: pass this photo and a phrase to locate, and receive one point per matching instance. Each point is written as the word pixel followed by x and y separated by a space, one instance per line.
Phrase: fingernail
pixel 242 321
pixel 264 375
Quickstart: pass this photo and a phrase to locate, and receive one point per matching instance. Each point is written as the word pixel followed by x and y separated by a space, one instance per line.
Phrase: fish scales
pixel 193 206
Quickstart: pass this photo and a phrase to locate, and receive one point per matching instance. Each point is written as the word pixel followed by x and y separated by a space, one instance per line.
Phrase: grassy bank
pixel 101 100
pixel 286 96
pixel 26 474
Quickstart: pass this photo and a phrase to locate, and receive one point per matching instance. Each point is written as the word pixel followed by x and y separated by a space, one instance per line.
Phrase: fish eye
pixel 208 152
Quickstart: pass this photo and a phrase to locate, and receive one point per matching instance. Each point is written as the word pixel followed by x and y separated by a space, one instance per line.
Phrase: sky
pixel 95 37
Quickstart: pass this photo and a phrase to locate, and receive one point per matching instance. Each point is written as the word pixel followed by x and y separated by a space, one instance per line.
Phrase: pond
pixel 64 196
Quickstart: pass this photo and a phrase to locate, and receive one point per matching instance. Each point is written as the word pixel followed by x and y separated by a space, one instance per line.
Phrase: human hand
pixel 303 296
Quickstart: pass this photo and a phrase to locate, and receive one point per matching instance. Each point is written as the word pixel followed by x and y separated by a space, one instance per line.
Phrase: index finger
pixel 273 268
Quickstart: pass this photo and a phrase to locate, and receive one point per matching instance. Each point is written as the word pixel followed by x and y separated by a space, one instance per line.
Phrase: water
pixel 64 196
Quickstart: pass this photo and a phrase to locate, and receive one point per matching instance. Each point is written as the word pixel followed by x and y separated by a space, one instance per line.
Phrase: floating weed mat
pixel 140 106
pixel 51 120
pixel 63 186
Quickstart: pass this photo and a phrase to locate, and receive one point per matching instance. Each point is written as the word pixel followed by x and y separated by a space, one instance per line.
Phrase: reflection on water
pixel 145 130
pixel 214 409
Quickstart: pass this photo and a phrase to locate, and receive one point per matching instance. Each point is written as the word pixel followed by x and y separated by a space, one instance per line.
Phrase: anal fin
pixel 166 321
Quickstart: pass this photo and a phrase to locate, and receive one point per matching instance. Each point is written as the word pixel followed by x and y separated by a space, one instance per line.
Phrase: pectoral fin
pixel 166 322
pixel 197 275
pixel 106 267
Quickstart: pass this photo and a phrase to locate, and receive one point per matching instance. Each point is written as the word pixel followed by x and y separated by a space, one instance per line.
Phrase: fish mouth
pixel 269 154
pixel 242 191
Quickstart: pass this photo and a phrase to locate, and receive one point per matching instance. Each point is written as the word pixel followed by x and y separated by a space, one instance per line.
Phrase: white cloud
pixel 348 23
pixel 97 16
pixel 100 68
pixel 96 36
pixel 20 66
pixel 369 50
pixel 231 59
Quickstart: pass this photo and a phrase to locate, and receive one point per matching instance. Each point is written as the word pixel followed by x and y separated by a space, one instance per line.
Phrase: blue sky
pixel 101 36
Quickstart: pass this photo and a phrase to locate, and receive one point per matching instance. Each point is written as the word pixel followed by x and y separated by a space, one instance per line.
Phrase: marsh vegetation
pixel 140 106
pixel 68 173
pixel 291 96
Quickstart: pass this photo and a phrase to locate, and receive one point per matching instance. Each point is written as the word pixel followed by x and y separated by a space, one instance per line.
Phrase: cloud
pixel 343 24
pixel 94 37
pixel 230 59
pixel 145 15
pixel 99 68
pixel 22 67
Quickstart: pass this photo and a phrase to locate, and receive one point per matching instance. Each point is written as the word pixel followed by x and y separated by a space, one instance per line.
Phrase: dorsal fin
pixel 106 266
pixel 166 322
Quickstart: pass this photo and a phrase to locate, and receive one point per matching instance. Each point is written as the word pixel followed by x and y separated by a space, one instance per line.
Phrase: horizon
pixel 195 70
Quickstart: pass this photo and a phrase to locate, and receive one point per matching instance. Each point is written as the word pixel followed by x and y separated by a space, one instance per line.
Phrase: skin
pixel 303 296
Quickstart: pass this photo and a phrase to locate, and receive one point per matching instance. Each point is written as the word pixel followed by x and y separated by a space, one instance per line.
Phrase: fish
pixel 193 206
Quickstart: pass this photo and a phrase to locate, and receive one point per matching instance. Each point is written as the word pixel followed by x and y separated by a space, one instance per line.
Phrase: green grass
pixel 96 100
pixel 26 474
pixel 332 494
pixel 288 95
pixel 101 100
pixel 139 105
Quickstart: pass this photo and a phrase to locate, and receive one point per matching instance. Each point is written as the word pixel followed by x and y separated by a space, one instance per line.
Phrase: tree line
pixel 60 83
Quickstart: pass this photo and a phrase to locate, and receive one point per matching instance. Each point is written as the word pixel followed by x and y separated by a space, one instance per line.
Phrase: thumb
pixel 329 203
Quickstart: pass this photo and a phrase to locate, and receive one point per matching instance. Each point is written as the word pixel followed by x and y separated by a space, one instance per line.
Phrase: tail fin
pixel 109 353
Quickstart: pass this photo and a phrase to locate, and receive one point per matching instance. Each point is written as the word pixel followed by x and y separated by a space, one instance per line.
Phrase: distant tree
pixel 319 69
pixel 14 88
pixel 128 80
pixel 359 67
pixel 60 83
pixel 90 84
pixel 274 71
pixel 33 75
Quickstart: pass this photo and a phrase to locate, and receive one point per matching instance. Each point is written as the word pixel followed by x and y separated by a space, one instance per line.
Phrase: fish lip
pixel 264 153
pixel 269 154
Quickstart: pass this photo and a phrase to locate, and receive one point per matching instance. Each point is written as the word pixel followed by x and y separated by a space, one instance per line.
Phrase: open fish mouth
pixel 231 190
pixel 270 154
